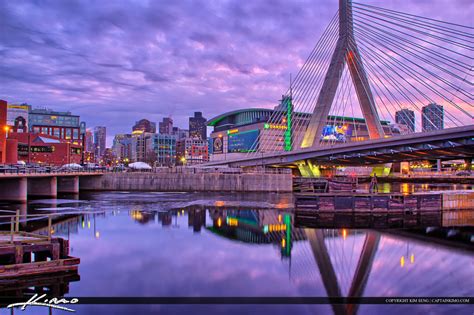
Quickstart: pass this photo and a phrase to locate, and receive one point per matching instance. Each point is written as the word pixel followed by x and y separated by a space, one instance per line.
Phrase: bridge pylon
pixel 345 51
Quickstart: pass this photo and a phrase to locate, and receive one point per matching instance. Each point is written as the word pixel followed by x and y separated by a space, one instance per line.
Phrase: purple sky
pixel 115 62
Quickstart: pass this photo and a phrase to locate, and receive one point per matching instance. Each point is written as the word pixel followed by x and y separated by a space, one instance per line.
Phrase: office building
pixel 145 125
pixel 100 140
pixel 122 147
pixel 164 147
pixel 432 117
pixel 166 126
pixel 191 151
pixel 197 126
pixel 62 125
pixel 406 117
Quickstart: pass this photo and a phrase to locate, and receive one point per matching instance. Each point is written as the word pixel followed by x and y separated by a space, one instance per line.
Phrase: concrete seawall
pixel 246 182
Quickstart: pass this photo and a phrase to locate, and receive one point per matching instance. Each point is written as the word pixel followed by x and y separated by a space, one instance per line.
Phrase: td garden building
pixel 239 132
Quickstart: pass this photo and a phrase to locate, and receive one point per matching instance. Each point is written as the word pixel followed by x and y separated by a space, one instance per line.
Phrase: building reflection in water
pixel 257 227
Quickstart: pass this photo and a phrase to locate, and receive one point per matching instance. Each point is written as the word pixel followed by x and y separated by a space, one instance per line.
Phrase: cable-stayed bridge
pixel 409 76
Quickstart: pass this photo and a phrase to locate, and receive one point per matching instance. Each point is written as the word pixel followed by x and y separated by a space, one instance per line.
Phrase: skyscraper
pixel 406 117
pixel 166 126
pixel 100 135
pixel 89 141
pixel 145 125
pixel 197 126
pixel 432 117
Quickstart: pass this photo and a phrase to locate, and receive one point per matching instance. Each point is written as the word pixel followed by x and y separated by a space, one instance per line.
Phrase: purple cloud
pixel 117 62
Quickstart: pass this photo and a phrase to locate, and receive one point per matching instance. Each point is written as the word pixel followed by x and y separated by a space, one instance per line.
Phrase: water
pixel 250 245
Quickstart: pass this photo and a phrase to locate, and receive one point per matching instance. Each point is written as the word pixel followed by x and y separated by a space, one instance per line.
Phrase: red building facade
pixel 3 130
pixel 45 149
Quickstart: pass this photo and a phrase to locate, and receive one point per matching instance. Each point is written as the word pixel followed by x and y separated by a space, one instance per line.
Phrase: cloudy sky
pixel 115 62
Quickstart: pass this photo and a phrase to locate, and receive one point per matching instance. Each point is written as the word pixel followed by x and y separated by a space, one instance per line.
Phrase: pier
pixel 24 254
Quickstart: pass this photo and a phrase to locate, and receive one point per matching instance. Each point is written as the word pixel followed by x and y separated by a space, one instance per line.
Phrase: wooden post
pixel 12 229
pixel 18 254
pixel 49 228
pixel 17 225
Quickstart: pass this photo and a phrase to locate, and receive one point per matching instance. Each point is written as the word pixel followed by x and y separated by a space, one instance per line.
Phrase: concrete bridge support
pixel 42 186
pixel 308 169
pixel 14 189
pixel 68 184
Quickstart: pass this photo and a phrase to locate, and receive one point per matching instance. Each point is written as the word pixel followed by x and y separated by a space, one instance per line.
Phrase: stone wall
pixel 188 182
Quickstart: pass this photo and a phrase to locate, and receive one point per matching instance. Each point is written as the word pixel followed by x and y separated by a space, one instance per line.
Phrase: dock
pixel 384 202
pixel 24 254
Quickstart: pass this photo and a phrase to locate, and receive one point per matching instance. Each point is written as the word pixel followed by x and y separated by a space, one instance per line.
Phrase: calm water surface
pixel 175 244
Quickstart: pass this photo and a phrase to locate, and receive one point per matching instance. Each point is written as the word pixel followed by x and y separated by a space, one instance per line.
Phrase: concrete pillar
pixel 42 186
pixel 68 184
pixel 13 189
pixel 438 165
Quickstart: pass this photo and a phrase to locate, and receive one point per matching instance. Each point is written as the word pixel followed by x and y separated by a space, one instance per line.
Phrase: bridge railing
pixel 166 170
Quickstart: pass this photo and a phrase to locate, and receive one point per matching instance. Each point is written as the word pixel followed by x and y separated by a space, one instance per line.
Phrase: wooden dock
pixel 359 202
pixel 393 202
pixel 30 254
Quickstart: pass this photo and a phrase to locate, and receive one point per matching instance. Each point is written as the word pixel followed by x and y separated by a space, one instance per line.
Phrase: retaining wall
pixel 189 182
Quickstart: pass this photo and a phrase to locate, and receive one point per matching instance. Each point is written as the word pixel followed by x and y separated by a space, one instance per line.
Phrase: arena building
pixel 239 132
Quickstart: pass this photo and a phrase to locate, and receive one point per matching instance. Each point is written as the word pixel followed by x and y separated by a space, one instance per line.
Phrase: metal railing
pixel 15 229
pixel 18 218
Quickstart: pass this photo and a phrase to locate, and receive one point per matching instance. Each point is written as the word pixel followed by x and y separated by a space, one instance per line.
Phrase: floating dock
pixel 392 202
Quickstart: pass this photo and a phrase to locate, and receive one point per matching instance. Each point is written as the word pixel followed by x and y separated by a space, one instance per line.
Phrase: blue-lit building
pixel 164 146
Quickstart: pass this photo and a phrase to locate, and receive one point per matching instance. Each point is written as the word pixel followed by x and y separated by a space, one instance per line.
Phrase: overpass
pixel 447 144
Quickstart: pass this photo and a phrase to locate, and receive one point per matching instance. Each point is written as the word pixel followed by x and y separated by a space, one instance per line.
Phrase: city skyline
pixel 70 65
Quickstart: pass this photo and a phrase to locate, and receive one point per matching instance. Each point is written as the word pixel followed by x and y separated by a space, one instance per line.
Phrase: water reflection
pixel 164 245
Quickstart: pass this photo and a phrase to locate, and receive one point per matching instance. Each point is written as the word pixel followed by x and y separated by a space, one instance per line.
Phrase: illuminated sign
pixel 218 145
pixel 336 133
pixel 245 141
pixel 232 131
pixel 23 107
pixel 232 221
pixel 275 126
pixel 274 228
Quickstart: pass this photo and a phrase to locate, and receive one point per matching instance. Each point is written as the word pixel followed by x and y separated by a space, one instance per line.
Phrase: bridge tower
pixel 346 51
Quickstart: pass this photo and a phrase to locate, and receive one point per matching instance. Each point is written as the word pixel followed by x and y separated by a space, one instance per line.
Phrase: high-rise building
pixel 89 141
pixel 197 126
pixel 180 133
pixel 100 140
pixel 164 147
pixel 122 147
pixel 432 117
pixel 145 125
pixel 166 126
pixel 406 117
